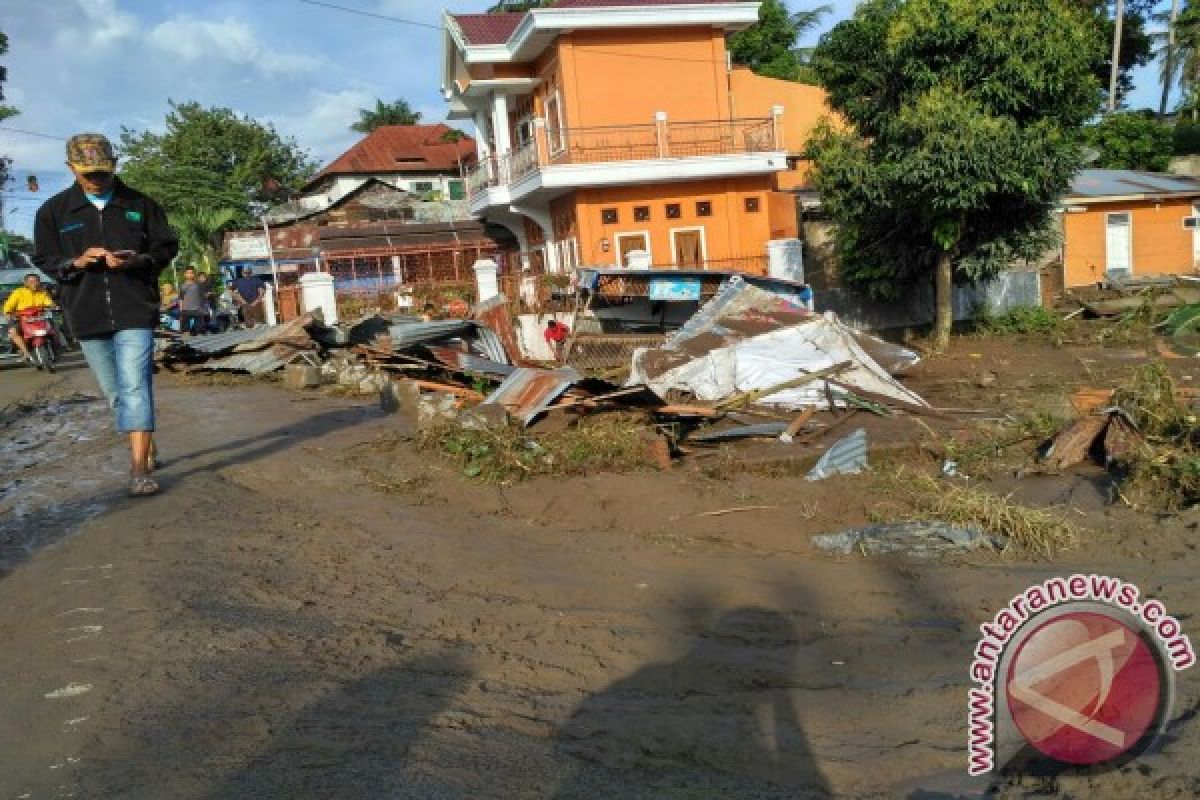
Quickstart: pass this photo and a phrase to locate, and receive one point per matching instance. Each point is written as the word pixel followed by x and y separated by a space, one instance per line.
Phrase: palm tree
pixel 200 232
pixel 1170 62
pixel 397 113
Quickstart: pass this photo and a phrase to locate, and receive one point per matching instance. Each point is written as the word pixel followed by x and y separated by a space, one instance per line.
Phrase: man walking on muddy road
pixel 106 244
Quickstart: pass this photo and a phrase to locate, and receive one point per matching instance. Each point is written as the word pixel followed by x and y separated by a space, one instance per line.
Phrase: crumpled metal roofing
pixel 528 391
pixel 406 334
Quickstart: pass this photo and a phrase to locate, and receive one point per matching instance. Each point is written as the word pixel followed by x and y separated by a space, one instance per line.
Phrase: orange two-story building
pixel 616 133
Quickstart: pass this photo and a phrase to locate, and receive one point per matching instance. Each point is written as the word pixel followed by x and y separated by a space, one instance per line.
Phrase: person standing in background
pixel 191 303
pixel 250 291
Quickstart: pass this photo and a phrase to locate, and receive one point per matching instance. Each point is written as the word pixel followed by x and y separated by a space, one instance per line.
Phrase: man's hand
pixel 90 256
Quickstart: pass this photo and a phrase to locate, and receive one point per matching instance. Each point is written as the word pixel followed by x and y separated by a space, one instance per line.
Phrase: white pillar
pixel 269 305
pixel 500 125
pixel 785 259
pixel 485 278
pixel 661 134
pixel 316 292
pixel 482 145
pixel 777 127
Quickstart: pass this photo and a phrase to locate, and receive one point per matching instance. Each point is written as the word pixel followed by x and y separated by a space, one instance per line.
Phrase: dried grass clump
pixel 1149 398
pixel 1167 474
pixel 501 455
pixel 1025 530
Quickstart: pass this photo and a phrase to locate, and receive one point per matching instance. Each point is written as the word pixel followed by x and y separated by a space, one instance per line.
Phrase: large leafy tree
pixel 769 48
pixel 963 126
pixel 397 113
pixel 1130 140
pixel 212 158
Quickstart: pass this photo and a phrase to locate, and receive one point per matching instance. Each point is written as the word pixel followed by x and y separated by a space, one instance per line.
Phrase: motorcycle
pixel 40 335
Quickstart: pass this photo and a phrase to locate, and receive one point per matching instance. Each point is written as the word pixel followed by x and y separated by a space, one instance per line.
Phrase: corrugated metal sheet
pixel 847 457
pixel 1122 182
pixel 259 362
pixel 769 429
pixel 527 392
pixel 406 334
pixel 470 362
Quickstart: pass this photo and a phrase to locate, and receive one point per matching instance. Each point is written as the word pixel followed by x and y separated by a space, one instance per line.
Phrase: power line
pixel 402 21
pixel 33 133
pixel 371 14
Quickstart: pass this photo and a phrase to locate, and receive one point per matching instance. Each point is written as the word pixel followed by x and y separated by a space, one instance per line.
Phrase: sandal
pixel 142 486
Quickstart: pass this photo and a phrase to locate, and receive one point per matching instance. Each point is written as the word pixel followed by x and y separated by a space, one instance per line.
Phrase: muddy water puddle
pixel 58 459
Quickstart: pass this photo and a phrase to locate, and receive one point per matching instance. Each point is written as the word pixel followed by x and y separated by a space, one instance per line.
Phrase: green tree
pixel 769 47
pixel 5 111
pixel 212 158
pixel 1130 140
pixel 964 121
pixel 397 113
pixel 1186 64
pixel 200 231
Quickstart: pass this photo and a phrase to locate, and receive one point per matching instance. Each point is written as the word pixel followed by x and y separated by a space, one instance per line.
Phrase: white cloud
pixel 321 122
pixel 231 41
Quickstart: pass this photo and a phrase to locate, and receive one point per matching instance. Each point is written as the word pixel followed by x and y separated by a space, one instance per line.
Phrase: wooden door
pixel 689 249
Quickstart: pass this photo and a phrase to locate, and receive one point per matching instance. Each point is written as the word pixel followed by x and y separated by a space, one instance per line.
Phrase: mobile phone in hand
pixel 125 253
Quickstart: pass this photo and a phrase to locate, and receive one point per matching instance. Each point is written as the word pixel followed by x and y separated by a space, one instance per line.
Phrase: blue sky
pixel 102 64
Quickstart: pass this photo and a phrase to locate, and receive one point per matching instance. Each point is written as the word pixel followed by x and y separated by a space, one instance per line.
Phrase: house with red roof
pixel 426 161
pixel 618 133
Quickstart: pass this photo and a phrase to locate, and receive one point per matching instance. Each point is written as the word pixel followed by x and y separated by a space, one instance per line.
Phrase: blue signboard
pixel 675 289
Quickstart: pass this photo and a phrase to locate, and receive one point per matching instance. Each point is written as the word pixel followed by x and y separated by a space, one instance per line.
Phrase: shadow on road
pixel 719 720
pixel 353 743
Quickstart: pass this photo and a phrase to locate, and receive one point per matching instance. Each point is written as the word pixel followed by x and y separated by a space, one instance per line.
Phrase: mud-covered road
pixel 276 626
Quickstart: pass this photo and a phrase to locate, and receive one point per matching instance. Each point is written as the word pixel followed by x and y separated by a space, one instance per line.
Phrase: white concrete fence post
pixel 486 271
pixel 316 292
pixel 269 305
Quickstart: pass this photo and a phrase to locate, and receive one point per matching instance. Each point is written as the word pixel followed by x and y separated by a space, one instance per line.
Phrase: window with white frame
pixel 554 123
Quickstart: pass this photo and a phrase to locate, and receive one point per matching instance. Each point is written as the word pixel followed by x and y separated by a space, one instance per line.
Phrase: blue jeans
pixel 123 364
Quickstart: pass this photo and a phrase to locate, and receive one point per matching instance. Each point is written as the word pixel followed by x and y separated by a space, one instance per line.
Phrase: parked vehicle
pixel 41 336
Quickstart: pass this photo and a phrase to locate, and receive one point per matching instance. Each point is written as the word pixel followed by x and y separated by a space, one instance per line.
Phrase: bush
pixel 611 442
pixel 1025 321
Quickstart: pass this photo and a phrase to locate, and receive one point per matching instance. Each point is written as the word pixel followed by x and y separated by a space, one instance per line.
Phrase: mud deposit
pixel 277 625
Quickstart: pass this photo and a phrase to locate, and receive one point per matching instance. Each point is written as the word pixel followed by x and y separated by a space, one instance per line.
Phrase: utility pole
pixel 1116 57
pixel 1169 61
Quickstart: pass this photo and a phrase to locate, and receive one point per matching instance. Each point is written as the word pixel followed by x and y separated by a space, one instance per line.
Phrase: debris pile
pixel 257 351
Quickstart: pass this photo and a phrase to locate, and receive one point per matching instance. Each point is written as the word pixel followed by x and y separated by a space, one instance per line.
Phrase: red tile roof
pixel 602 3
pixel 497 28
pixel 488 28
pixel 402 148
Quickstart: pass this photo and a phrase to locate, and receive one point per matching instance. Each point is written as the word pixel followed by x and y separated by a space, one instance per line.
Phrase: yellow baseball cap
pixel 91 152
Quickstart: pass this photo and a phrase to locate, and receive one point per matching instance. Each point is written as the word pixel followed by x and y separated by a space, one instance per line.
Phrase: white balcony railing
pixel 561 146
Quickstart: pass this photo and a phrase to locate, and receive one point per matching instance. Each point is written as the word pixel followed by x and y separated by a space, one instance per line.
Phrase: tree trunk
pixel 1116 57
pixel 1169 66
pixel 943 286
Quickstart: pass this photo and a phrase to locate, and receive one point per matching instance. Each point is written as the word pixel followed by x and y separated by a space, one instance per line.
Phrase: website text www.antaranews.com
pixel 1035 600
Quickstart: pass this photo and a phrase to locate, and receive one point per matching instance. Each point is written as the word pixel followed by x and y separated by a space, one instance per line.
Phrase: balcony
pixel 564 158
